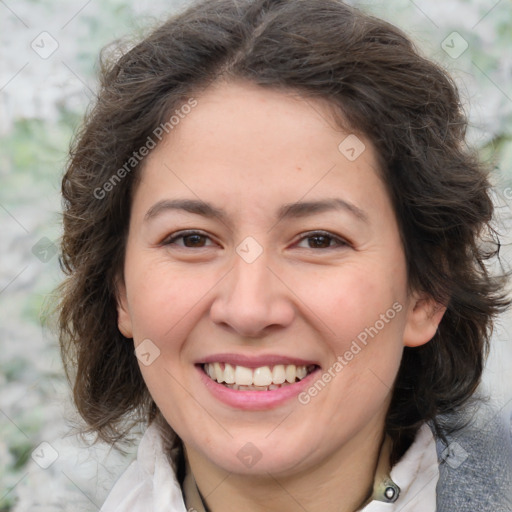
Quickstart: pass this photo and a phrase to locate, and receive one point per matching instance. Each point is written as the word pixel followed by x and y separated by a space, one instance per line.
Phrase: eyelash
pixel 340 242
pixel 312 234
pixel 183 234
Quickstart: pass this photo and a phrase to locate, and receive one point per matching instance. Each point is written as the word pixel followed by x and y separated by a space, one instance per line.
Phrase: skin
pixel 249 150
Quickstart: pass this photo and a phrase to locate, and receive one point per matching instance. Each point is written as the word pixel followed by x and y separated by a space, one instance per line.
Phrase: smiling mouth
pixel 263 378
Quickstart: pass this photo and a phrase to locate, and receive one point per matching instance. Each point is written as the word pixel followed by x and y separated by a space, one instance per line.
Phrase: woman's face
pixel 294 272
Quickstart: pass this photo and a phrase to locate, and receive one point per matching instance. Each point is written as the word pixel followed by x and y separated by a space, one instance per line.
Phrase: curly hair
pixel 378 84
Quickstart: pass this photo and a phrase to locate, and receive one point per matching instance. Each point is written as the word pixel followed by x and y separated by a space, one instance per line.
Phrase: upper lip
pixel 256 361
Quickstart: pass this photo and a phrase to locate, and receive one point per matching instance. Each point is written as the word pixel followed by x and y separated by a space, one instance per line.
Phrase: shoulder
pixel 475 462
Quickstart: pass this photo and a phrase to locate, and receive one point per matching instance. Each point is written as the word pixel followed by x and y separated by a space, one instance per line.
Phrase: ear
pixel 124 319
pixel 423 318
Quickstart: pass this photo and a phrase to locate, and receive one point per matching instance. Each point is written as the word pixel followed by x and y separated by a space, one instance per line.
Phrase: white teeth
pixel 301 372
pixel 262 378
pixel 219 374
pixel 291 373
pixel 278 374
pixel 243 376
pixel 229 374
pixel 256 388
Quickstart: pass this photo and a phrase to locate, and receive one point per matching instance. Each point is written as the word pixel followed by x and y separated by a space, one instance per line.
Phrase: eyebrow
pixel 299 209
pixel 306 208
pixel 188 205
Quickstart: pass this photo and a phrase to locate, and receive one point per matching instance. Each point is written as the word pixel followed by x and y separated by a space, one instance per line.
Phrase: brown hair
pixel 370 73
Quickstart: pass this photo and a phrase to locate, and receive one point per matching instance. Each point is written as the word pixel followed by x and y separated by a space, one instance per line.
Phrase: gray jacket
pixel 476 466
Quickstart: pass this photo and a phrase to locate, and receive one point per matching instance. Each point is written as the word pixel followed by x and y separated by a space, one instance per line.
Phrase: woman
pixel 273 231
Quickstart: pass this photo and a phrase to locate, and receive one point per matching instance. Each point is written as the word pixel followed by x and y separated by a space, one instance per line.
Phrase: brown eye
pixel 188 240
pixel 194 240
pixel 321 240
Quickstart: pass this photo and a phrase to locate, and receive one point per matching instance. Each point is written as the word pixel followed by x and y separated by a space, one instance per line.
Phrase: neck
pixel 342 482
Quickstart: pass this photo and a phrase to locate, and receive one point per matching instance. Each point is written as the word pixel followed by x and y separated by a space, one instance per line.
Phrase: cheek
pixel 354 299
pixel 164 300
pixel 364 319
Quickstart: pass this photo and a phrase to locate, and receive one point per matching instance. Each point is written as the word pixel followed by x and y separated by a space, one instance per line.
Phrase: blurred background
pixel 48 53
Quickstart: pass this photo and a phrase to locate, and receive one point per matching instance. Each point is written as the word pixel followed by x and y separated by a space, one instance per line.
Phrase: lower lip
pixel 256 400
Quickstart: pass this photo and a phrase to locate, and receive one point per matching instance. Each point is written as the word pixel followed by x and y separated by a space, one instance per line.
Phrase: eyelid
pixel 170 239
pixel 341 241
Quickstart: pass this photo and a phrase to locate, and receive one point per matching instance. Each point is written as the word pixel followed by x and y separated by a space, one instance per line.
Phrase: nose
pixel 251 300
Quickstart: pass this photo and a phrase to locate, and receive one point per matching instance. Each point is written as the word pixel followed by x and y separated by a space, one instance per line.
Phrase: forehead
pixel 251 149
